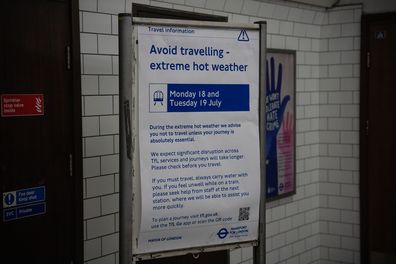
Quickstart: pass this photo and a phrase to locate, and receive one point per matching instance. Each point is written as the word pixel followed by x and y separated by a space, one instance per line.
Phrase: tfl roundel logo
pixel 222 233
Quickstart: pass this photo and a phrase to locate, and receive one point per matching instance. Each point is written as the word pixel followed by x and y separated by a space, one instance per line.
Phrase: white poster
pixel 198 137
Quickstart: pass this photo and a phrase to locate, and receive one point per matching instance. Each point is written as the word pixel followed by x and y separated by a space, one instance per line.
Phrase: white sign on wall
pixel 198 137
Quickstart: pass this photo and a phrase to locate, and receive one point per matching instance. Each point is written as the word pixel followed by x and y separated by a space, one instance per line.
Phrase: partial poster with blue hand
pixel 280 123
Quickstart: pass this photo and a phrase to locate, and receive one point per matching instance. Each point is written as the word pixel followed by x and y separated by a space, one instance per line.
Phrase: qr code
pixel 244 213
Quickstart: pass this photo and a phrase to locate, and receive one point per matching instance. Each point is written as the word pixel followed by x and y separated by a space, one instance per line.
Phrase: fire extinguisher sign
pixel 22 105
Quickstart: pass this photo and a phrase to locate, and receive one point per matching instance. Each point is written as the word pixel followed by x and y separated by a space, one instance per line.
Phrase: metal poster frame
pixel 292 68
pixel 129 147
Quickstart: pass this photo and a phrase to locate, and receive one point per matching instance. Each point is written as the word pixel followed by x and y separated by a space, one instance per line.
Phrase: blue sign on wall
pixel 23 203
pixel 23 211
pixel 24 196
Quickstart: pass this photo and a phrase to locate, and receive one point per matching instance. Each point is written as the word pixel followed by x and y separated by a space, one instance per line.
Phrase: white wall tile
pixel 278 213
pixel 98 105
pixel 312 58
pixel 215 5
pixel 292 236
pixel 350 84
pixel 160 4
pixel 342 16
pixel 350 110
pixel 96 146
pixel 329 84
pixel 266 10
pixel 112 7
pixel 292 43
pixel 272 228
pixel 357 14
pixel 101 185
pixel 90 126
pixel 350 57
pixel 307 16
pixel 235 256
pixel 285 224
pixel 350 217
pixel 340 97
pixel 330 31
pixel 351 137
pixel 352 29
pixel 247 253
pixel 300 30
pixel 305 44
pixel 295 14
pixel 92 249
pixel 350 243
pixel 340 150
pixel 315 46
pixel 330 57
pixel 356 43
pixel 96 23
pixel 303 71
pixel 299 247
pixel 285 28
pixel 281 12
pixel 109 125
pixel 340 203
pixel 313 31
pixel 338 71
pixel 89 84
pixel 279 241
pixel 183 7
pixel 350 164
pixel 329 163
pixel 233 6
pixel 115 64
pixel 88 5
pixel 91 208
pixel 250 8
pixel 88 43
pixel 114 24
pixel 341 44
pixel 110 204
pixel 272 257
pixel 196 3
pixel 323 71
pixel 278 42
pixel 329 110
pixel 108 44
pixel 110 243
pixel 109 164
pixel 286 252
pixel 318 20
pixel 100 226
pixel 272 26
pixel 351 190
pixel 336 123
pixel 330 240
pixel 91 167
pixel 116 100
pixel 97 64
pixel 108 84
pixel 329 136
pixel 330 189
pixel 235 18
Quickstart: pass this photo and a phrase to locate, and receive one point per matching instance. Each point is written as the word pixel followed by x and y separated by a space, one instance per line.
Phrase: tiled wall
pixel 339 136
pixel 319 224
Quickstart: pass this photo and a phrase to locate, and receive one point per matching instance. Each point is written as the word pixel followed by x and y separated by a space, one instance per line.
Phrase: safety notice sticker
pixel 22 105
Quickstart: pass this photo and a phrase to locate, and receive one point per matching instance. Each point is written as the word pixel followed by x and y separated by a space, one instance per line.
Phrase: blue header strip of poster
pixel 207 97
